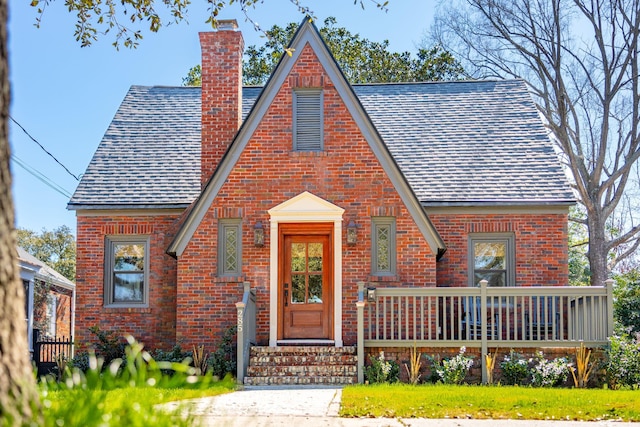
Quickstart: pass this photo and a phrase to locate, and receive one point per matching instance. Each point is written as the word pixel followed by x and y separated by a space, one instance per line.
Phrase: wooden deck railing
pixel 246 318
pixel 540 316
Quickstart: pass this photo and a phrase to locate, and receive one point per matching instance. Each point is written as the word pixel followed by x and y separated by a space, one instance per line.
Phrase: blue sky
pixel 65 96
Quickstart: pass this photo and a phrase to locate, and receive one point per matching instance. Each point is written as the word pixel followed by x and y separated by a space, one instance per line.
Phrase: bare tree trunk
pixel 580 59
pixel 597 249
pixel 19 403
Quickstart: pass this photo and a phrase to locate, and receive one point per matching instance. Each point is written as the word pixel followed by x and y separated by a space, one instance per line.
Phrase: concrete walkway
pixel 304 406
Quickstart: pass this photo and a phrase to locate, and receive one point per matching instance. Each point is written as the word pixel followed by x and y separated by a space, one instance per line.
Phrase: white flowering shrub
pixel 455 369
pixel 548 373
pixel 381 370
pixel 623 362
pixel 515 368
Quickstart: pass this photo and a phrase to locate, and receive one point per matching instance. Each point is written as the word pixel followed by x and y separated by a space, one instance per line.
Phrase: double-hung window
pixel 229 247
pixel 127 271
pixel 308 120
pixel 492 258
pixel 383 246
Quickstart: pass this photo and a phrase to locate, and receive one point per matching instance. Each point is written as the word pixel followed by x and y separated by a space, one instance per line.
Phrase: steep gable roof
pixel 473 142
pixel 457 143
pixel 462 143
pixel 307 34
pixel 150 154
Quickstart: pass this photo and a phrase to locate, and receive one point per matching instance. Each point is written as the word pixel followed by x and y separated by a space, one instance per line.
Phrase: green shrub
pixel 626 302
pixel 548 373
pixel 224 359
pixel 622 363
pixel 176 354
pixel 515 369
pixel 453 370
pixel 80 361
pixel 110 345
pixel 381 370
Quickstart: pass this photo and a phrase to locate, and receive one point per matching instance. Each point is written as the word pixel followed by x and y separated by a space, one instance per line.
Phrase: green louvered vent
pixel 307 120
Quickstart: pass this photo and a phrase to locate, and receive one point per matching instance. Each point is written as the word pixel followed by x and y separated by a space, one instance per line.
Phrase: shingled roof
pixel 457 143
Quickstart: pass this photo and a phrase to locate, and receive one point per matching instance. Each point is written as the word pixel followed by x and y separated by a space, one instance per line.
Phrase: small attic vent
pixel 307 120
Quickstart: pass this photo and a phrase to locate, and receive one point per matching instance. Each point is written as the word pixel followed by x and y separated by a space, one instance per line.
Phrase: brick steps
pixel 291 365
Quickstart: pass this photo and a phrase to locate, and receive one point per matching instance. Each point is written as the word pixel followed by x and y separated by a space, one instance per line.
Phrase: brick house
pixel 303 189
pixel 49 299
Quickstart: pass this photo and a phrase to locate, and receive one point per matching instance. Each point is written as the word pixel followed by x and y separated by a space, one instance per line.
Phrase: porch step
pixel 302 365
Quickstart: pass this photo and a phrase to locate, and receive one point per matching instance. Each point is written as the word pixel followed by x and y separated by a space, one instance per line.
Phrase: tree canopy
pixel 125 20
pixel 56 248
pixel 626 303
pixel 580 60
pixel 361 60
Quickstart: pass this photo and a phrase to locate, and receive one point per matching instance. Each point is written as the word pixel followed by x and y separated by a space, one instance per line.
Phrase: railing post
pixel 240 307
pixel 360 350
pixel 609 284
pixel 242 335
pixel 484 347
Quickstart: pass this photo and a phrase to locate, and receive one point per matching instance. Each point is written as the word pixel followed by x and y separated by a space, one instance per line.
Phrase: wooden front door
pixel 306 281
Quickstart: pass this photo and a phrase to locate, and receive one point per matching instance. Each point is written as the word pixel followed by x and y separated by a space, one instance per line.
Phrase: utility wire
pixel 41 177
pixel 43 149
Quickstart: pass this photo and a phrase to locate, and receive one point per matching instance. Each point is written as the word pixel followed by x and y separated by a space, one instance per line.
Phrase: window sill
pixel 321 153
pixel 386 278
pixel 129 308
pixel 228 279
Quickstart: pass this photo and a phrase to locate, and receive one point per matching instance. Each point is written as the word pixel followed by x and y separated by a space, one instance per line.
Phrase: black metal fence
pixel 46 352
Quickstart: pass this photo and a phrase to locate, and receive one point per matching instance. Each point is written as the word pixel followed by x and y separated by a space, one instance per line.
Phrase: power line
pixel 41 177
pixel 43 149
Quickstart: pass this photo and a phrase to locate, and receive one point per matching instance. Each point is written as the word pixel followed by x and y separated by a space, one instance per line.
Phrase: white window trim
pixel 223 224
pixel 508 239
pixel 108 270
pixel 52 312
pixel 377 222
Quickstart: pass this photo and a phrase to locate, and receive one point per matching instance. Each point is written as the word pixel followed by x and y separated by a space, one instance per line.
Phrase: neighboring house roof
pixel 43 271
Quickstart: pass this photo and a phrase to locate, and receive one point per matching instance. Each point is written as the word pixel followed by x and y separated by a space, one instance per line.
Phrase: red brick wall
pixel 221 94
pixel 63 313
pixel 268 173
pixel 41 317
pixel 153 325
pixel 540 246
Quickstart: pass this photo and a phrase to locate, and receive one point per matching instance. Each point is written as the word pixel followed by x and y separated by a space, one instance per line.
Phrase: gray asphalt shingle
pixel 455 142
pixel 468 142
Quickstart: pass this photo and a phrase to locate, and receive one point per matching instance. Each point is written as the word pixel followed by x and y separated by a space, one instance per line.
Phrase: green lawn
pixel 499 402
pixel 130 406
pixel 114 399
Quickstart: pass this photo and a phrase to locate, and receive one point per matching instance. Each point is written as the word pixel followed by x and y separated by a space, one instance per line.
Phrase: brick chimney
pixel 221 92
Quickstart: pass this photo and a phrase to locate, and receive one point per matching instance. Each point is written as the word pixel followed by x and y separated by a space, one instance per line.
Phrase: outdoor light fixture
pixel 352 233
pixel 371 294
pixel 258 234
